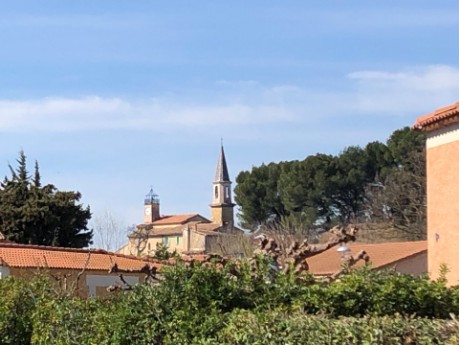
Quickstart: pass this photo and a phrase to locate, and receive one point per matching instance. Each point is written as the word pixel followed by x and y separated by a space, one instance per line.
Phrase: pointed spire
pixel 221 174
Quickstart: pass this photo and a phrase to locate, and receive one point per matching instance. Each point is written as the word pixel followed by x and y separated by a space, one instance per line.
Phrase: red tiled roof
pixel 175 228
pixel 202 228
pixel 381 255
pixel 173 231
pixel 438 118
pixel 207 227
pixel 211 227
pixel 27 256
pixel 175 219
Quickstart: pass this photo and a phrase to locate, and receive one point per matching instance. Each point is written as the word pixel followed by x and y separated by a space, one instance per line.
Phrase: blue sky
pixel 112 97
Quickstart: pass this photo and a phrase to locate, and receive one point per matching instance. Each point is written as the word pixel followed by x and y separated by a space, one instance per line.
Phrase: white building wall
pixel 443 136
pixel 4 271
pixel 95 281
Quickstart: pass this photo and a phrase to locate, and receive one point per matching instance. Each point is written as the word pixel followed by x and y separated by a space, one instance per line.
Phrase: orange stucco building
pixel 442 147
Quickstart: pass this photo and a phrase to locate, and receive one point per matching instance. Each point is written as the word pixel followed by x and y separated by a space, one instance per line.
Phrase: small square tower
pixel 151 207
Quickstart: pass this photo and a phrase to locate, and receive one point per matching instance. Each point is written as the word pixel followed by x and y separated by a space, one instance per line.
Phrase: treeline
pixel 205 305
pixel 382 182
pixel 33 213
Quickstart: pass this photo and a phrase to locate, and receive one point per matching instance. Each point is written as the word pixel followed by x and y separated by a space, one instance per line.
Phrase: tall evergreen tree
pixel 402 196
pixel 37 178
pixel 382 183
pixel 34 214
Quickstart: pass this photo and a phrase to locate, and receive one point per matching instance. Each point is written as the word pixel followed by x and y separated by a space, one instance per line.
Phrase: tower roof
pixel 151 198
pixel 221 174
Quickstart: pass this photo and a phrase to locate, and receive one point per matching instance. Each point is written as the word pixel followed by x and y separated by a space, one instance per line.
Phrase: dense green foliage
pixel 274 327
pixel 34 214
pixel 204 305
pixel 378 183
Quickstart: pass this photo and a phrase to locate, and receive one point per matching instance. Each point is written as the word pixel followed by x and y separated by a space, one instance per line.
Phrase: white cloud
pixel 409 92
pixel 237 83
pixel 92 113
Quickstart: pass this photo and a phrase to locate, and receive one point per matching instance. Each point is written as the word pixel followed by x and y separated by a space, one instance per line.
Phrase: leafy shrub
pixel 274 327
pixel 366 291
pixel 203 304
pixel 64 320
pixel 18 298
pixel 16 305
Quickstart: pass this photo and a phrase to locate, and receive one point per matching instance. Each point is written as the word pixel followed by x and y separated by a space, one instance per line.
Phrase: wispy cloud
pixel 81 21
pixel 93 113
pixel 361 19
pixel 407 92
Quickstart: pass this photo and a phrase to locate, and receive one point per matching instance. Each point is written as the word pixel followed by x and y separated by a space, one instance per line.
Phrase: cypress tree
pixel 34 214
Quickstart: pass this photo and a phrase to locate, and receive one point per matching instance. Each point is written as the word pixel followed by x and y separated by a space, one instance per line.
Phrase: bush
pixel 18 298
pixel 63 320
pixel 16 306
pixel 247 327
pixel 366 291
pixel 206 305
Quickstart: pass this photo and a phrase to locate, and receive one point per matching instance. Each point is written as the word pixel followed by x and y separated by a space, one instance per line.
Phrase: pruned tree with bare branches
pixel 294 258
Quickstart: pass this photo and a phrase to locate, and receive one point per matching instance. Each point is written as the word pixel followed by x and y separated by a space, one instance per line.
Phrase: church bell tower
pixel 151 207
pixel 222 208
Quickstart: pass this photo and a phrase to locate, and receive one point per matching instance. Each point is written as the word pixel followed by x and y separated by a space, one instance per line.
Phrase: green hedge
pixel 204 305
pixel 381 293
pixel 16 304
pixel 276 328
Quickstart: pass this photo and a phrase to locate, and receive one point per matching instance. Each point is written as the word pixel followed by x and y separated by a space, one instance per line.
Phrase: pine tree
pixel 37 177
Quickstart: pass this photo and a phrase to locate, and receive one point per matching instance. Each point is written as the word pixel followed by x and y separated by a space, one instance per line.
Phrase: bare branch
pixel 88 258
pixel 349 261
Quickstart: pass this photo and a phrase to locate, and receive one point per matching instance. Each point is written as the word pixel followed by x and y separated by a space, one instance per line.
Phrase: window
pixel 166 241
pixel 178 239
pixel 216 192
pixel 227 192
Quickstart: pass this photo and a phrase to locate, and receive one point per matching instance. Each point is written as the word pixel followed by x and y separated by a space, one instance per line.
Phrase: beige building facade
pixel 442 147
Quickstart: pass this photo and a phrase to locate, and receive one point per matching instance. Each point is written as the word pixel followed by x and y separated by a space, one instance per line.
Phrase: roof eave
pixel 438 119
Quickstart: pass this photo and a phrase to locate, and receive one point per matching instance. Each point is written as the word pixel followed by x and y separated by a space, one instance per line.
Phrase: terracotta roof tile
pixel 26 256
pixel 437 118
pixel 204 228
pixel 381 255
pixel 172 231
pixel 175 219
pixel 208 226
